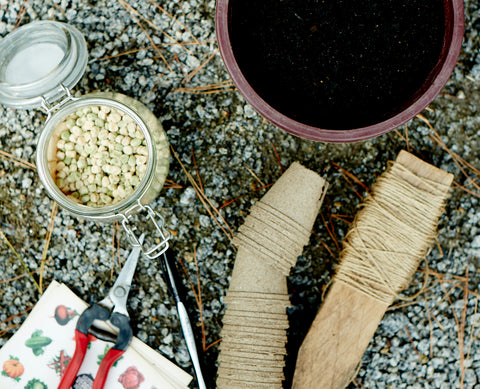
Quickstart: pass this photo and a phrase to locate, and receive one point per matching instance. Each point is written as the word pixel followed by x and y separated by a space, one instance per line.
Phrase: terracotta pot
pixel 454 27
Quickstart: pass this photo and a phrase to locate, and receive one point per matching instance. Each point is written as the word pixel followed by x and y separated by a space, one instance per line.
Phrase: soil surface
pixel 337 65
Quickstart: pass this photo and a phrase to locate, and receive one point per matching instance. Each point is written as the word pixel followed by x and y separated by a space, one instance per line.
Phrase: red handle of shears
pixel 83 337
pixel 108 360
pixel 81 344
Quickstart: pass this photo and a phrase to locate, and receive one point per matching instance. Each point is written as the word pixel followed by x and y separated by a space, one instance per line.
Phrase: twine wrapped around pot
pixel 254 329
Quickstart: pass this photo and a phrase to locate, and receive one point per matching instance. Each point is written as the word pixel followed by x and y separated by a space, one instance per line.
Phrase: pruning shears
pixel 112 309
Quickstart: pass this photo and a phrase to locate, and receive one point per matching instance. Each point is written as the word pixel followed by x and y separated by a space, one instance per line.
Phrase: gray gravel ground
pixel 433 342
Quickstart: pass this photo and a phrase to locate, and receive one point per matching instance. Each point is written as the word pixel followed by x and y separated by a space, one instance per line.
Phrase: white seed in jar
pixel 101 155
pixel 69 146
pixel 83 190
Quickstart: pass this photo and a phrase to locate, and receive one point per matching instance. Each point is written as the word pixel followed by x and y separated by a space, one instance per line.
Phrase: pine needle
pixel 132 10
pixel 47 243
pixel 175 20
pixel 218 87
pixel 210 208
pixel 21 162
pixel 21 261
pixel 255 176
pixel 194 72
pixel 197 292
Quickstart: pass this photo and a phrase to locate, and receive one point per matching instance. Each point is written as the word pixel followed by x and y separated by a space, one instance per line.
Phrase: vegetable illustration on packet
pixel 37 342
pixel 13 368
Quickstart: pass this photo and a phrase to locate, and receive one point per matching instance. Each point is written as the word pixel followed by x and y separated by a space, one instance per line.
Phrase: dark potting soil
pixel 337 64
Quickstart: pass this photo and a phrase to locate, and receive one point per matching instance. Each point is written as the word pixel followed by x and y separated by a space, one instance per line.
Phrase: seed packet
pixel 36 356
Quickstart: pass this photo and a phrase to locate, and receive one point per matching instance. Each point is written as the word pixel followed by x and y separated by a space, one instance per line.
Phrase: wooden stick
pixel 348 319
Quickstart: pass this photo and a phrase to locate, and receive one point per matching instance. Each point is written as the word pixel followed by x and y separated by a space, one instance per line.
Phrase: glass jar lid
pixel 38 61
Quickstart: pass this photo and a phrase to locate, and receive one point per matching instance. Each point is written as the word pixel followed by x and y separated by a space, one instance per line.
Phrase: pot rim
pixel 454 28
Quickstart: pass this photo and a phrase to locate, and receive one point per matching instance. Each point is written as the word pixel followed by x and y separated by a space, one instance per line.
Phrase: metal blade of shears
pixel 118 295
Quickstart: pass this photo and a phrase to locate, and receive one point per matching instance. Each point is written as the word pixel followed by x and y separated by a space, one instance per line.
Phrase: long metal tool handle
pixel 190 340
pixel 184 322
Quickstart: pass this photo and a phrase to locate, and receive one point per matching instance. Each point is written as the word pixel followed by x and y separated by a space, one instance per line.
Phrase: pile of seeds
pixel 101 155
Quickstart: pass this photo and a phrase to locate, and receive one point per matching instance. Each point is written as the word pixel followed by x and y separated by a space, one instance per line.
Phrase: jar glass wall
pixel 156 165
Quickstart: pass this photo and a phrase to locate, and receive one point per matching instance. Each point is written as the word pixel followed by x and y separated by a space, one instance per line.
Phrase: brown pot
pixel 454 27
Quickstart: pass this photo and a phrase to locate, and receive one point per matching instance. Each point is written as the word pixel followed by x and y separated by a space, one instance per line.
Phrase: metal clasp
pixel 156 220
pixel 49 108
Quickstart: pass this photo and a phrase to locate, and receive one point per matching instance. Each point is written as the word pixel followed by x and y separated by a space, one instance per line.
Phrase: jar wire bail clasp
pixel 49 108
pixel 159 223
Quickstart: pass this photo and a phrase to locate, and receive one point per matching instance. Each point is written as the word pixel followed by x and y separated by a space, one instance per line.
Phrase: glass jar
pixel 39 64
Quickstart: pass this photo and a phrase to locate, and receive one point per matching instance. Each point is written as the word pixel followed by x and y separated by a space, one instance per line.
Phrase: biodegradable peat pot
pixel 340 71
